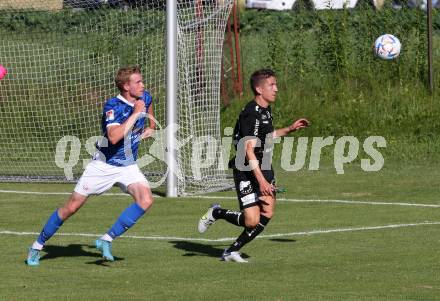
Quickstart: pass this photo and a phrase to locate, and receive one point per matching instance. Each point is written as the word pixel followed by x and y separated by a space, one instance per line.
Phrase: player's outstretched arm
pixel 297 125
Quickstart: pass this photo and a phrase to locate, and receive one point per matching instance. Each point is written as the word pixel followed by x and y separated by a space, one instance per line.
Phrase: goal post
pixel 172 184
pixel 61 63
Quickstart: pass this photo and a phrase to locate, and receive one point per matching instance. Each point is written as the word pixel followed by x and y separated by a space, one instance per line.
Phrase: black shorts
pixel 247 188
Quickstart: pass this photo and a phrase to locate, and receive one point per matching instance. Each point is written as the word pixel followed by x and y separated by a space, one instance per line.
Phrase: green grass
pixel 382 264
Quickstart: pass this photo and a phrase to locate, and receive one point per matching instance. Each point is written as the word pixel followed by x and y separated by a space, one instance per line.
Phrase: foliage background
pixel 327 73
pixel 326 70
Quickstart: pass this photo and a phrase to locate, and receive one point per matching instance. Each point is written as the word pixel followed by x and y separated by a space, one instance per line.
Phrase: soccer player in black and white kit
pixel 253 174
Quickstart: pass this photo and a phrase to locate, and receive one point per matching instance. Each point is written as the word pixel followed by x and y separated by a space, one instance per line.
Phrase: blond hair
pixel 123 75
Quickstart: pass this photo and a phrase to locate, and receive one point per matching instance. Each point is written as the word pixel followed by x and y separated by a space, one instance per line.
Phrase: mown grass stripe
pixel 302 233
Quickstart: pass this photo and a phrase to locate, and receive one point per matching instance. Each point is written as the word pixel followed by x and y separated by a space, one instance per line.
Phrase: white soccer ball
pixel 387 47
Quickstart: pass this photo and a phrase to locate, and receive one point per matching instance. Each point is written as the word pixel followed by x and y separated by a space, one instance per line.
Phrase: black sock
pixel 249 234
pixel 234 217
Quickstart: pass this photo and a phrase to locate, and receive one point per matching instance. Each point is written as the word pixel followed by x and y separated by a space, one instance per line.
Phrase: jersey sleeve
pixel 147 98
pixel 113 114
pixel 249 124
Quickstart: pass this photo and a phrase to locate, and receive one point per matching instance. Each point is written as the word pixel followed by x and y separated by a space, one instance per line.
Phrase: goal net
pixel 62 57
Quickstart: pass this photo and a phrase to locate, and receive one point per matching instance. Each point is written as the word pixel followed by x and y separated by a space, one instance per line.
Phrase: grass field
pixel 357 236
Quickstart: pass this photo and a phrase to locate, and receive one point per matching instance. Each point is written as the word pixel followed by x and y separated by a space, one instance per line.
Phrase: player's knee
pixel 145 202
pixel 72 206
pixel 67 211
pixel 71 211
pixel 251 221
pixel 268 213
pixel 267 206
pixel 142 195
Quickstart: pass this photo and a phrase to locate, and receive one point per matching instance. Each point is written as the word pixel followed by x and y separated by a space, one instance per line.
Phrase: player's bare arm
pixel 297 125
pixel 118 132
pixel 151 117
pixel 265 187
pixel 149 132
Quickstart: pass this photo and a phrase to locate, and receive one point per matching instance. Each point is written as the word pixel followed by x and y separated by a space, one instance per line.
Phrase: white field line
pixel 351 202
pixel 312 232
pixel 335 201
pixel 361 202
pixel 51 193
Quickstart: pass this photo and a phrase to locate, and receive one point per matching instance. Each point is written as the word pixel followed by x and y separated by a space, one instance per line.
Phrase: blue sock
pixel 126 220
pixel 53 224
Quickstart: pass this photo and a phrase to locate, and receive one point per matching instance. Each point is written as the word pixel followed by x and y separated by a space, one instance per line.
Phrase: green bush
pixel 324 61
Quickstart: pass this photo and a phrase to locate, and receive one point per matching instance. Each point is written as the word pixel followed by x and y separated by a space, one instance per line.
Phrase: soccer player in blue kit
pixel 123 126
pixel 255 181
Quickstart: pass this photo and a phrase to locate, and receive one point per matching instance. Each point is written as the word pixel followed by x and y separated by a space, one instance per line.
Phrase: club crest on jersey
pixel 110 115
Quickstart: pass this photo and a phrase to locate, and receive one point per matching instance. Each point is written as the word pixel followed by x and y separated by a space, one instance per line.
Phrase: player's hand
pixel 299 124
pixel 266 188
pixel 139 106
pixel 147 133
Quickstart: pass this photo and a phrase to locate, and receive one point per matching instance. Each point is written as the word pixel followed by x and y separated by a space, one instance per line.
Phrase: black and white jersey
pixel 255 121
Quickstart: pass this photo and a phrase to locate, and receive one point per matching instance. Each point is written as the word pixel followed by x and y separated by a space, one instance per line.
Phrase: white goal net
pixel 62 57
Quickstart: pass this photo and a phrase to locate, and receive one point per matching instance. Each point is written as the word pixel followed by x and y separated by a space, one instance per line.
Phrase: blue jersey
pixel 116 111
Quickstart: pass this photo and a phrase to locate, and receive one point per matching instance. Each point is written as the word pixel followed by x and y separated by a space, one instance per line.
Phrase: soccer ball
pixel 387 47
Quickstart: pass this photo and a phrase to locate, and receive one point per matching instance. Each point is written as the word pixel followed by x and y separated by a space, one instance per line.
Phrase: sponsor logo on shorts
pixel 245 187
pixel 249 199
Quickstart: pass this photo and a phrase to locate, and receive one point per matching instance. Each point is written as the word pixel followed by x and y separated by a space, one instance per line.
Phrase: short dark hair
pixel 123 75
pixel 258 76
